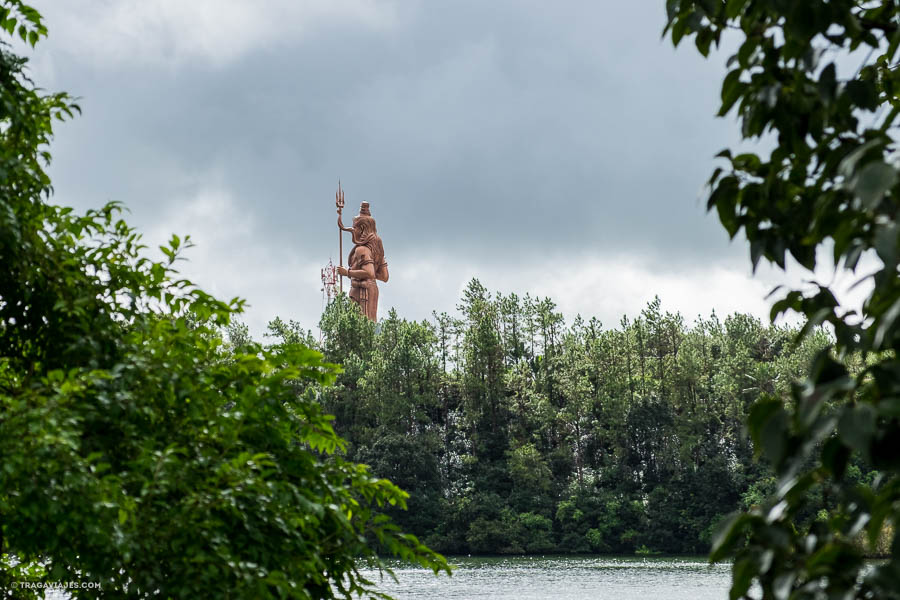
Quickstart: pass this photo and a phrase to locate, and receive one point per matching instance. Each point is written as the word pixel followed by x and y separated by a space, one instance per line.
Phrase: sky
pixel 552 148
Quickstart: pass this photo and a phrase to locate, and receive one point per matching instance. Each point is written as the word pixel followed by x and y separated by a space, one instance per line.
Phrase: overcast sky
pixel 555 148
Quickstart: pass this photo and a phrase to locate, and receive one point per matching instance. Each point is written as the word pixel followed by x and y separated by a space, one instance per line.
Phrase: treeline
pixel 515 432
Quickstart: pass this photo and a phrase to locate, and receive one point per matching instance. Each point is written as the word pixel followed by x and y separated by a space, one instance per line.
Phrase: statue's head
pixel 364 233
pixel 363 225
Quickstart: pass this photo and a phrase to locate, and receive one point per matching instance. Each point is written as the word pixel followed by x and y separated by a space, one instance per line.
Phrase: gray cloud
pixel 504 132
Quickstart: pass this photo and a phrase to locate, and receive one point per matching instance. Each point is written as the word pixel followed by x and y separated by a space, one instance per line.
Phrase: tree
pixel 348 338
pixel 483 370
pixel 829 185
pixel 607 467
pixel 137 451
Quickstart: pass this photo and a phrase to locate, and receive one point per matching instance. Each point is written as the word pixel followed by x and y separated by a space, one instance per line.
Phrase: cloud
pixel 510 125
pixel 169 33
pixel 231 257
pixel 234 256
pixel 558 150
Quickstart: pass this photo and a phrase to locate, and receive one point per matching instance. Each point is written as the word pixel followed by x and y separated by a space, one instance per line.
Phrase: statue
pixel 366 263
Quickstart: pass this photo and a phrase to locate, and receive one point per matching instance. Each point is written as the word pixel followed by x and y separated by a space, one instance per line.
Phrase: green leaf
pixel 825 369
pixel 745 52
pixel 732 89
pixel 727 534
pixel 724 198
pixel 742 574
pixel 889 407
pixel 857 426
pixel 848 164
pixel 781 587
pixel 835 457
pixel 862 94
pixel 757 248
pixel 672 8
pixel 768 424
pixel 892 46
pixel 887 244
pixel 827 83
pixel 733 8
pixel 873 181
pixel 885 324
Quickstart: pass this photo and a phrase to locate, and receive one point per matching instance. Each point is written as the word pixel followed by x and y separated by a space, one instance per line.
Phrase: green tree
pixel 348 338
pixel 137 452
pixel 616 462
pixel 830 184
pixel 483 370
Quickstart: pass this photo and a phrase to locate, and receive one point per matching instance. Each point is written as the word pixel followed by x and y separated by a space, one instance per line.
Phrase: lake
pixel 565 578
pixel 558 578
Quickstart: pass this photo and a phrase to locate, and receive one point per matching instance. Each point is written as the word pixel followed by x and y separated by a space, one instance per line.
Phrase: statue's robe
pixel 364 291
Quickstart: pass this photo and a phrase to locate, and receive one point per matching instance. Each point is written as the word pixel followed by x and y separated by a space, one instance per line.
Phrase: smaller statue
pixel 366 261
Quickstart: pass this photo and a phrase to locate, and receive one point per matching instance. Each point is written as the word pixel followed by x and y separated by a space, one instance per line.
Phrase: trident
pixel 339 203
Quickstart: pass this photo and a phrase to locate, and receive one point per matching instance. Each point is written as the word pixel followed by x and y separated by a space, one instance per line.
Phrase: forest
pixel 516 432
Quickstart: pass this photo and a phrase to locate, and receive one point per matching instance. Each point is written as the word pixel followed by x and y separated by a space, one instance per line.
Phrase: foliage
pixel 138 451
pixel 516 432
pixel 829 185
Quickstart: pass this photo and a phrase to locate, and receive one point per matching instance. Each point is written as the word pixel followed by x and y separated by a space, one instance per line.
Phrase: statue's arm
pixel 365 266
pixel 366 272
pixel 382 274
pixel 341 225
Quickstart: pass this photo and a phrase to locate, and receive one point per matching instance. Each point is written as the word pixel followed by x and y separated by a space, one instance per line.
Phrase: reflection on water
pixel 565 578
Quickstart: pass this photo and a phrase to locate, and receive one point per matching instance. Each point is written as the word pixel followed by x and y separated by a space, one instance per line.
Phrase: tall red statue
pixel 366 261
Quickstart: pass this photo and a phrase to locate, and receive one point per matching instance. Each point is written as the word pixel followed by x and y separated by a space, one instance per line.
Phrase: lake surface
pixel 556 578
pixel 565 578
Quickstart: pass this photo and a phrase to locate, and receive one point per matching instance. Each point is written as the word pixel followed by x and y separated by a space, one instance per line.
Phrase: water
pixel 556 578
pixel 564 578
